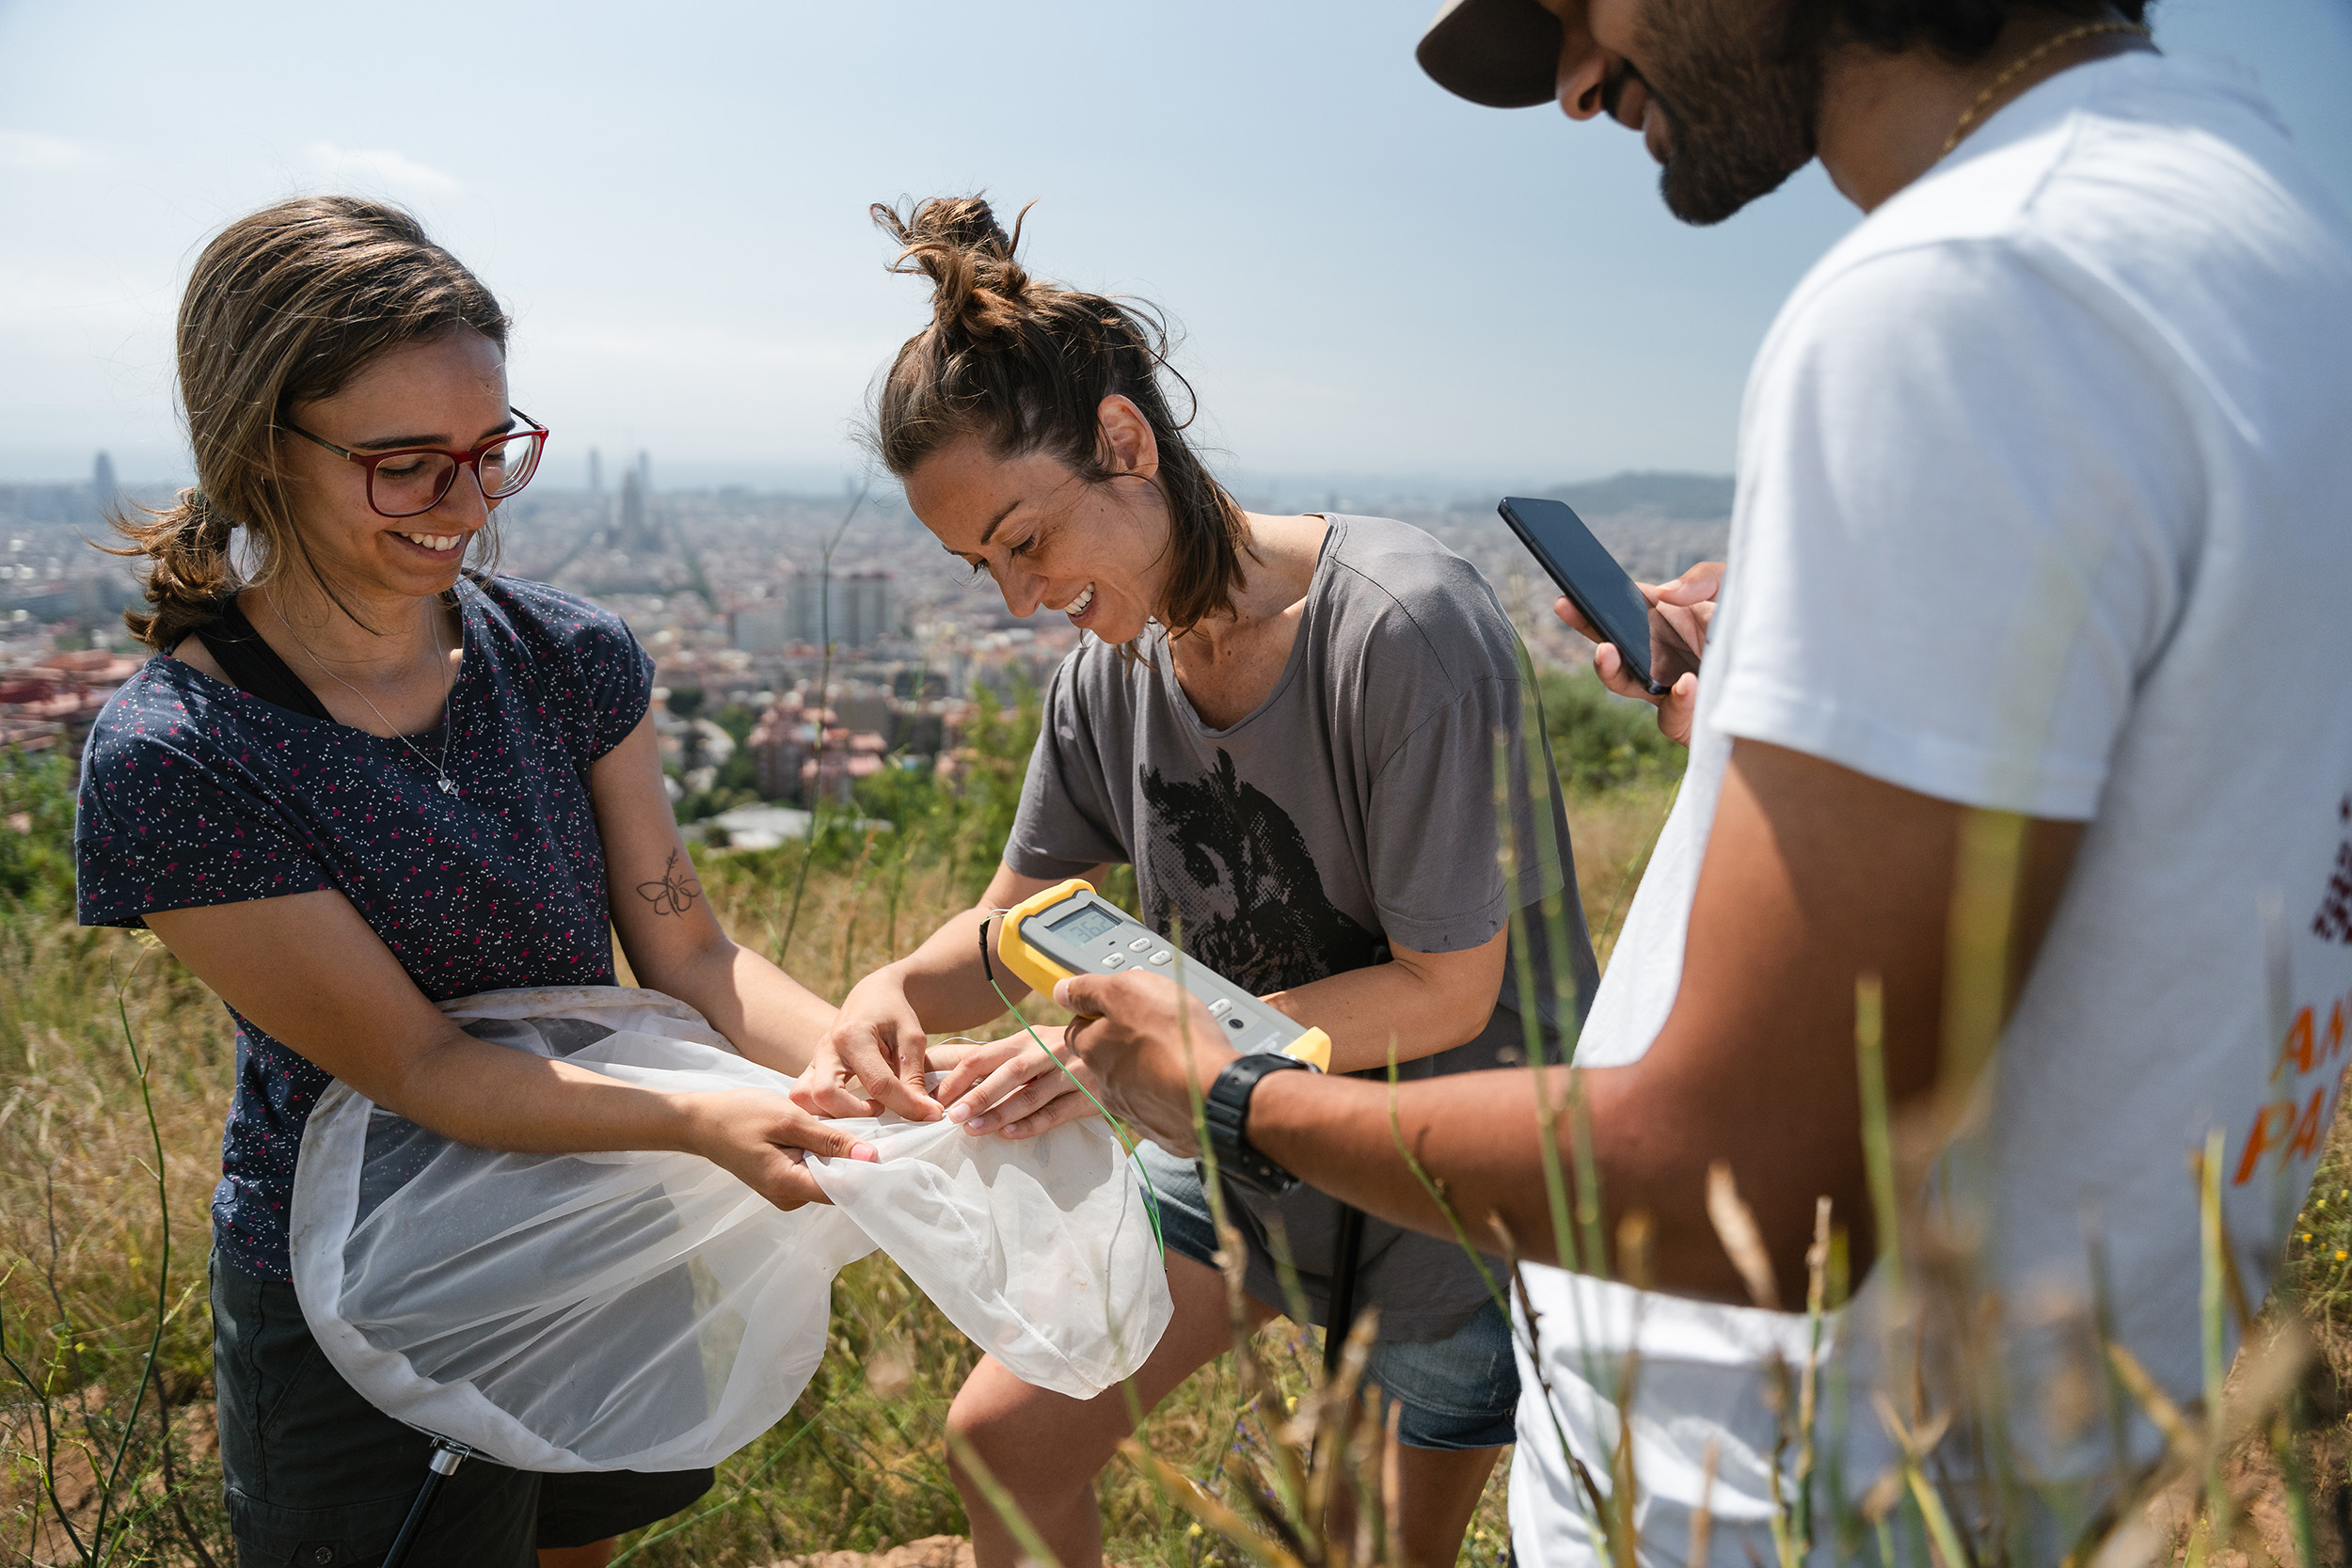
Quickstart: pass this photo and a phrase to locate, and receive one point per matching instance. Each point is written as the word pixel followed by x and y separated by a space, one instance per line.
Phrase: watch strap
pixel 1226 1110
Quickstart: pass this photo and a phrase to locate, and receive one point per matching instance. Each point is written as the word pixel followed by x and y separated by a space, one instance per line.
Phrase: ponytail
pixel 191 568
pixel 1025 364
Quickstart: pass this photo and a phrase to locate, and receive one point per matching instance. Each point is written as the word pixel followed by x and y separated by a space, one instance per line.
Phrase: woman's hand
pixel 1687 605
pixel 1013 1087
pixel 763 1140
pixel 878 1040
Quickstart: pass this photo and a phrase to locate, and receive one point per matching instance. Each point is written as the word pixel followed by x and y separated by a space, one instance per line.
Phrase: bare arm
pixel 311 973
pixel 673 940
pixel 1419 1002
pixel 1814 874
pixel 1422 1002
pixel 1415 1004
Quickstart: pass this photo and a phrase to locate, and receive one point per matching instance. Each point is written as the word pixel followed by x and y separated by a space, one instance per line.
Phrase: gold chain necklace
pixel 2048 46
pixel 448 785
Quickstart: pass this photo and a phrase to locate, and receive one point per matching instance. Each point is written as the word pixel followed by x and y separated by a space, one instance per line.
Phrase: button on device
pixel 1220 1007
pixel 1114 962
pixel 1139 945
pixel 1162 956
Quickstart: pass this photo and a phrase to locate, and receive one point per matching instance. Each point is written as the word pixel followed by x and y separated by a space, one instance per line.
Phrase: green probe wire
pixel 1117 1130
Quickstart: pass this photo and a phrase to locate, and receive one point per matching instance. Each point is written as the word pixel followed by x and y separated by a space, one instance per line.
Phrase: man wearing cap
pixel 2020 741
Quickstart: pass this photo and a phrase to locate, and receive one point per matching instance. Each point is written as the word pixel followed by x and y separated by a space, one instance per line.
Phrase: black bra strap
pixel 253 666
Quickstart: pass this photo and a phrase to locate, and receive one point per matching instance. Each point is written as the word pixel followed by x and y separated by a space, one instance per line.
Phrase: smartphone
pixel 1599 589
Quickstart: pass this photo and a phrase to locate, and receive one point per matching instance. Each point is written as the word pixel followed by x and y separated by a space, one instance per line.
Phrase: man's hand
pixel 1687 605
pixel 1153 1046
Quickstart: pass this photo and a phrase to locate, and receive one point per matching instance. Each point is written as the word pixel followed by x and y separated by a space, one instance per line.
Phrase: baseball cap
pixel 1505 53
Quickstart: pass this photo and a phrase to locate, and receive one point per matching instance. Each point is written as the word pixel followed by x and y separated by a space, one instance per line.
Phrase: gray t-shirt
pixel 1354 807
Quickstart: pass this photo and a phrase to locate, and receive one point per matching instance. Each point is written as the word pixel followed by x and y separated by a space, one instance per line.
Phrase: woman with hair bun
pixel 1289 727
pixel 362 779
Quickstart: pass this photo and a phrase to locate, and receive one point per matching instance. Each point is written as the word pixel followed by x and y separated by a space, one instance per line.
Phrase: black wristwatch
pixel 1227 1111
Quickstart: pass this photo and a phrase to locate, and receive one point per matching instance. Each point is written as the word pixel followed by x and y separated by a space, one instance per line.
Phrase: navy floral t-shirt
pixel 195 793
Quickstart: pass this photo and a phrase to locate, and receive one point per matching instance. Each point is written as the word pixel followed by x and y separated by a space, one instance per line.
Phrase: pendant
pixel 447 789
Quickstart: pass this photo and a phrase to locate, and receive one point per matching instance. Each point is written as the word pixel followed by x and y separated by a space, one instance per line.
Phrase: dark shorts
pixel 319 1478
pixel 1459 1392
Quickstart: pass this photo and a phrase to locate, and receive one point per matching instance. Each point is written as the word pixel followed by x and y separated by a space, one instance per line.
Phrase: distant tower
pixel 595 471
pixel 629 530
pixel 644 471
pixel 861 615
pixel 103 490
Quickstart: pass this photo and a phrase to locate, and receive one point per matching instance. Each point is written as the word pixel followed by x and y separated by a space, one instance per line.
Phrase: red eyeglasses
pixel 412 480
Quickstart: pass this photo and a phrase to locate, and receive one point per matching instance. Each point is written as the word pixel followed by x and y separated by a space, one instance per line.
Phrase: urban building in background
pixel 802 645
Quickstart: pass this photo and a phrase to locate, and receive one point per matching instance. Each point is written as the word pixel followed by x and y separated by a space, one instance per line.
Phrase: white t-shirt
pixel 2044 504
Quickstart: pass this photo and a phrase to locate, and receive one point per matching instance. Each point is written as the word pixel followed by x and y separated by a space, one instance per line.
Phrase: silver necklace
pixel 448 785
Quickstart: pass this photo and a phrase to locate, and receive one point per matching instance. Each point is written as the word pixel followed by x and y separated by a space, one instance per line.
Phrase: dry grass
pixel 80 1234
pixel 859 1464
pixel 1613 834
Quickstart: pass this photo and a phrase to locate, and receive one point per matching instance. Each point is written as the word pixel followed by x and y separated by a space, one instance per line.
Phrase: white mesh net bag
pixel 647 1312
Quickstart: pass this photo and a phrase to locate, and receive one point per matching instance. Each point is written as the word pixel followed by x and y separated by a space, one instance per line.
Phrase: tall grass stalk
pixel 824 699
pixel 1547 1111
pixel 1845 1519
pixel 1817 1306
pixel 97 1543
pixel 1536 780
pixel 1878 1143
pixel 1436 1191
pixel 1624 1488
pixel 1977 972
pixel 2209 1303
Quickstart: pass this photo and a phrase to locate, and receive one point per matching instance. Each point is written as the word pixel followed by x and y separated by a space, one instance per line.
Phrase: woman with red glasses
pixel 360 779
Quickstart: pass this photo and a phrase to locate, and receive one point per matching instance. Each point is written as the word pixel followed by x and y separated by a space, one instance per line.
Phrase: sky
pixel 1373 278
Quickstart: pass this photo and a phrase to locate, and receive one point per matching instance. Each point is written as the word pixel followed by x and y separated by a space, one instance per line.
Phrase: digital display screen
pixel 1089 922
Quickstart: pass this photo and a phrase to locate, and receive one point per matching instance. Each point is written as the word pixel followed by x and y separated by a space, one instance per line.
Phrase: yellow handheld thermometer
pixel 1071 929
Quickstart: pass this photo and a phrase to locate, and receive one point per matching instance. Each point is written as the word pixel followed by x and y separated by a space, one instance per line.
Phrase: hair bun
pixel 979 293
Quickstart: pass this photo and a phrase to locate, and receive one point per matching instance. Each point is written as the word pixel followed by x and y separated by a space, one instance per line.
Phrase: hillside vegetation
pixel 94 1276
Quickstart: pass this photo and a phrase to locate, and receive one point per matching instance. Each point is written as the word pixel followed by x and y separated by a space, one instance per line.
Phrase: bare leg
pixel 593 1555
pixel 1439 1488
pixel 1045 1449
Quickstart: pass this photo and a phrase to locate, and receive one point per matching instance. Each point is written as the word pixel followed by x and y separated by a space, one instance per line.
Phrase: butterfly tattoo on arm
pixel 675 893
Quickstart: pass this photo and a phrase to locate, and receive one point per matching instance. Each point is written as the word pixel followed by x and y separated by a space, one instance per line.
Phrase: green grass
pixel 1600 740
pixel 859 1464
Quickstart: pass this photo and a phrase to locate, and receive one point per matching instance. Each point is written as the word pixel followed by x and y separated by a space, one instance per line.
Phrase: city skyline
pixel 1377 283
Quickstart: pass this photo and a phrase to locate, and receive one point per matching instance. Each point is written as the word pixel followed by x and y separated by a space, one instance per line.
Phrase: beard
pixel 1740 96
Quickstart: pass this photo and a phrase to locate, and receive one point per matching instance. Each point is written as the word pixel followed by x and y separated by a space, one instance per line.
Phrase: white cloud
pixel 394 169
pixel 36 150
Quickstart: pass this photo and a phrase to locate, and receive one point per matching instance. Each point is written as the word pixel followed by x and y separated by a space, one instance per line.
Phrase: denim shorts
pixel 316 1476
pixel 1459 1392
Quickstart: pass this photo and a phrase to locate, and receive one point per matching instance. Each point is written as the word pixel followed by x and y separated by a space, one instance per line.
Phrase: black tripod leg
pixel 1343 1316
pixel 1350 1242
pixel 446 1457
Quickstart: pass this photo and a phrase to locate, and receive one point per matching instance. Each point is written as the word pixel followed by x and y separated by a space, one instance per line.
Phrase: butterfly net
pixel 648 1311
